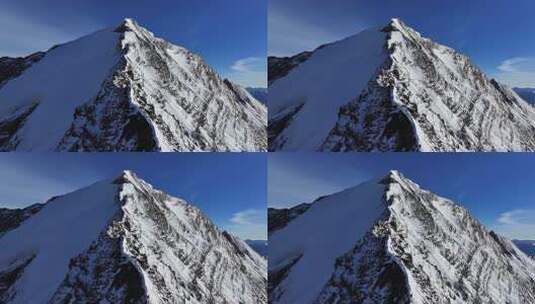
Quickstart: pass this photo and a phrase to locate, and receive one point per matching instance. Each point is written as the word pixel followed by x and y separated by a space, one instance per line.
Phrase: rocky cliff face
pixel 389 241
pixel 279 218
pixel 122 241
pixel 278 67
pixel 12 67
pixel 130 92
pixel 12 218
pixel 390 89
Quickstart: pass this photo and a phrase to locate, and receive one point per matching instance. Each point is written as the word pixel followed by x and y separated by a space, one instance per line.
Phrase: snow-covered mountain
pixel 389 241
pixel 390 89
pixel 122 241
pixel 528 94
pixel 123 89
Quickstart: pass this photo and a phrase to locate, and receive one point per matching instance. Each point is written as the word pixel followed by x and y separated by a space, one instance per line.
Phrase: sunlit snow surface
pixel 330 78
pixel 68 76
pixel 322 234
pixel 64 228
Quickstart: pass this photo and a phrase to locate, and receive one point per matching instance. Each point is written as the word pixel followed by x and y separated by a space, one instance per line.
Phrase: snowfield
pixel 123 89
pixel 122 241
pixel 389 241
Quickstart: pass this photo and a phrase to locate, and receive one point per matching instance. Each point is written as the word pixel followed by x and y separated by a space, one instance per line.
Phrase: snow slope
pixel 390 89
pixel 122 241
pixel 58 91
pixel 321 85
pixel 389 241
pixel 123 89
pixel 48 240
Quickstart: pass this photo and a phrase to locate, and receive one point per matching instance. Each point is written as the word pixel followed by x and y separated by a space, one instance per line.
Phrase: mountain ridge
pixel 410 94
pixel 131 92
pixel 124 241
pixel 414 247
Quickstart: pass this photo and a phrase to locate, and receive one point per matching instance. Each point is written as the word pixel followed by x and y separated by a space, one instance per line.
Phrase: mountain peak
pixel 129 21
pixel 125 176
pixel 395 174
pixel 395 24
pixel 127 24
pixel 156 241
pixel 392 177
pixel 415 248
pixel 152 95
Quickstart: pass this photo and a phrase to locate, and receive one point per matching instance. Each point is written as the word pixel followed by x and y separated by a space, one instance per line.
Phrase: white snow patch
pixel 64 228
pixel 329 79
pixel 68 76
pixel 321 234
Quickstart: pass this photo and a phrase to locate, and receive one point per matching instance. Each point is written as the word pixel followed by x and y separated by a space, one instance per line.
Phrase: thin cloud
pixel 249 72
pixel 518 64
pixel 248 217
pixel 249 64
pixel 249 224
pixel 516 224
pixel 517 72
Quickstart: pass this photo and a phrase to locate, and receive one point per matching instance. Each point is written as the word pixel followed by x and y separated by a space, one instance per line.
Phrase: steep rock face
pixel 12 67
pixel 12 218
pixel 279 67
pixel 136 93
pixel 279 218
pixel 136 245
pixel 419 248
pixel 408 94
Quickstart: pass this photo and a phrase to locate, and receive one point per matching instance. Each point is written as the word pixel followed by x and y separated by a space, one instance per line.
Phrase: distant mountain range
pixel 260 246
pixel 261 94
pixel 528 246
pixel 528 94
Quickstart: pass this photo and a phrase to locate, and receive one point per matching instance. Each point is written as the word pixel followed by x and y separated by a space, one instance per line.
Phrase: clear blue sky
pixel 229 187
pixel 496 188
pixel 498 35
pixel 230 35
